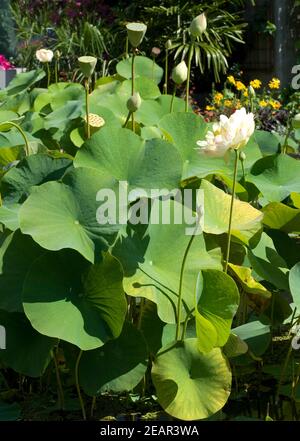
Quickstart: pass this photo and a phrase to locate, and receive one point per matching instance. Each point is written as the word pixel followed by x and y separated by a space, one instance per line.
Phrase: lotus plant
pixel 179 76
pixel 45 56
pixel 87 67
pixel 135 33
pixel 229 134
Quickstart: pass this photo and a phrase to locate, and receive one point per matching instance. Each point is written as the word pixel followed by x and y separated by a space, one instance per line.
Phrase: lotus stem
pixel 231 208
pixel 180 287
pixel 21 132
pixel 132 86
pixel 127 119
pixel 166 72
pixel 172 100
pixel 48 74
pixel 87 107
pixel 61 398
pixel 126 47
pixel 56 71
pixel 78 386
pixel 191 51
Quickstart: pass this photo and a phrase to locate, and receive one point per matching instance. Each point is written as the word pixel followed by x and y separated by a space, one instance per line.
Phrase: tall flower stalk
pixel 8 125
pixel 229 134
pixel 45 56
pixel 87 67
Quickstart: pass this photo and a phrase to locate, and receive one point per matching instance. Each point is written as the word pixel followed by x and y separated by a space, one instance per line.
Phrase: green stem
pixel 166 72
pixel 153 63
pixel 56 71
pixel 127 119
pixel 87 107
pixel 126 47
pixel 48 75
pixel 172 100
pixel 243 171
pixel 132 86
pixel 289 129
pixel 186 323
pixel 231 208
pixel 78 386
pixel 191 51
pixel 61 399
pixel 21 132
pixel 180 286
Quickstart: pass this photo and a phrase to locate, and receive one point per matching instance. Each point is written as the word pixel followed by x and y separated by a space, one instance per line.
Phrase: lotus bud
pixel 198 25
pixel 242 156
pixel 155 52
pixel 57 54
pixel 136 32
pixel 168 45
pixel 296 121
pixel 87 65
pixel 180 73
pixel 251 92
pixel 134 102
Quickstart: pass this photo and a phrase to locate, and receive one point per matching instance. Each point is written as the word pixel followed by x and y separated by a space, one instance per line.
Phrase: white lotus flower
pixel 44 55
pixel 228 133
pixel 180 73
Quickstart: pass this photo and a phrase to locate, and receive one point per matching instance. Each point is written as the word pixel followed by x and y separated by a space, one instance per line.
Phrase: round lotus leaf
pixel 64 296
pixel 190 385
pixel 118 366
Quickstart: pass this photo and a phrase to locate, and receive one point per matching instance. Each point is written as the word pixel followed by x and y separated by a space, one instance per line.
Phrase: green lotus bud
pixel 168 44
pixel 57 54
pixel 136 32
pixel 296 121
pixel 87 65
pixel 180 73
pixel 251 92
pixel 134 102
pixel 242 156
pixel 198 25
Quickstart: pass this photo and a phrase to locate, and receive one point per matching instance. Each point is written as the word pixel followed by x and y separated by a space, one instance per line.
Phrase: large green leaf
pixel 247 281
pixel 152 111
pixel 246 220
pixel 294 282
pixel 218 299
pixel 9 412
pixel 256 335
pixel 66 297
pixel 190 385
pixel 27 351
pixel 276 176
pixel 146 88
pixel 61 116
pixel 64 214
pixel 152 264
pixel 24 81
pixel 118 366
pixel 17 253
pixel 268 142
pixel 57 95
pixel 9 216
pixel 33 170
pixel 267 263
pixel 281 217
pixel 143 67
pixel 123 155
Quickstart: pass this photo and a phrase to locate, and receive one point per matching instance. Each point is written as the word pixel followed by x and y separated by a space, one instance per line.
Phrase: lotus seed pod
pixel 198 25
pixel 136 32
pixel 134 102
pixel 87 65
pixel 168 44
pixel 251 92
pixel 296 121
pixel 180 73
pixel 242 156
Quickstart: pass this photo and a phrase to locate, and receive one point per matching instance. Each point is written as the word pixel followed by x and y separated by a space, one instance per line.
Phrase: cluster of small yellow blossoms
pixel 256 84
pixel 273 103
pixel 274 83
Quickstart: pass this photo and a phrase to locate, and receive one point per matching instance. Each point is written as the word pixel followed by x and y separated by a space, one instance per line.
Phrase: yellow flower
pixel 240 86
pixel 231 79
pixel 256 84
pixel 209 108
pixel 246 94
pixel 228 103
pixel 274 83
pixel 218 97
pixel 263 103
pixel 238 104
pixel 275 104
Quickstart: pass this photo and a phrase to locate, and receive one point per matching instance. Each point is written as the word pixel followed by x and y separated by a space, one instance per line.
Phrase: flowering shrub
pixel 5 64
